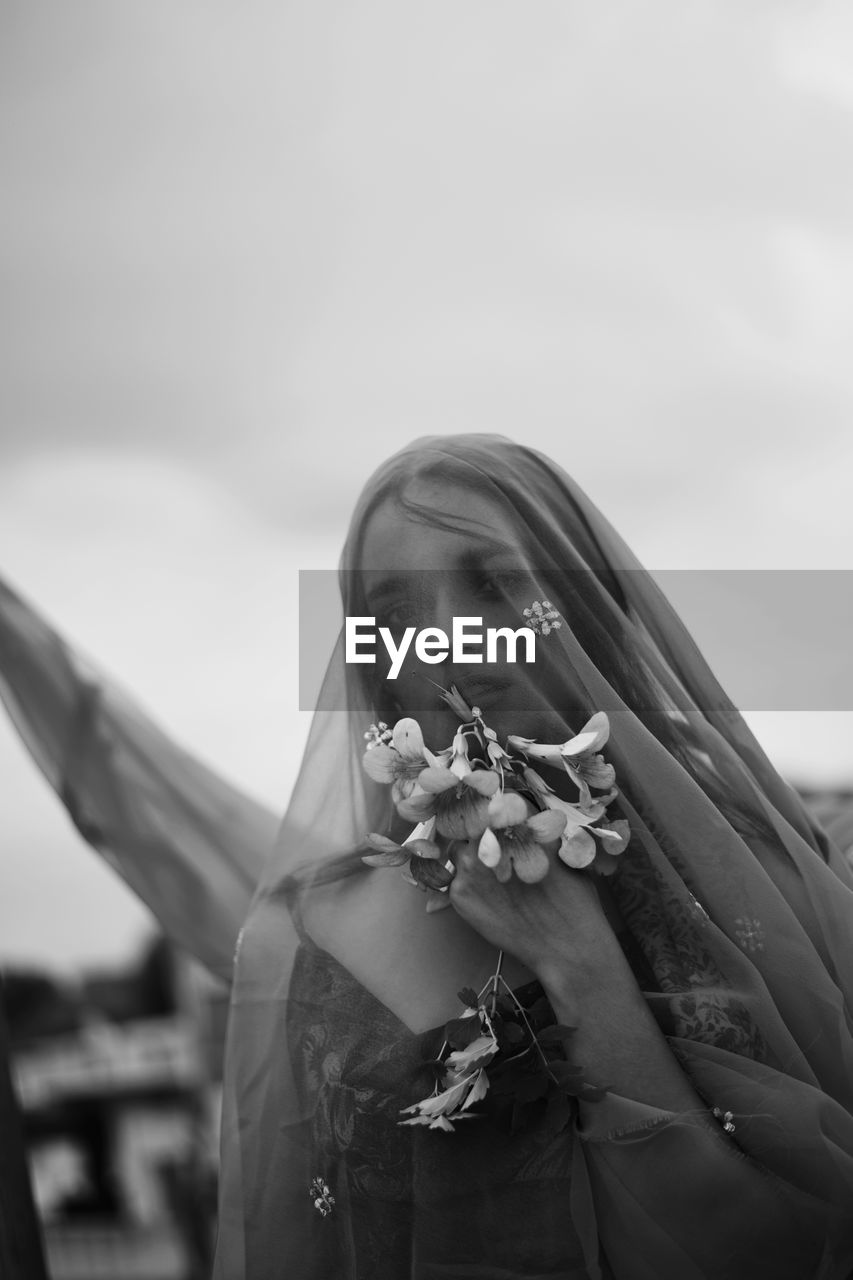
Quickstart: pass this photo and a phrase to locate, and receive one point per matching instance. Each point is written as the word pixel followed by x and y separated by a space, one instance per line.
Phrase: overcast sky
pixel 248 251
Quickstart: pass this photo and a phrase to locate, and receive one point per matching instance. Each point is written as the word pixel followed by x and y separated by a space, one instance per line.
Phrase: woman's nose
pixel 437 614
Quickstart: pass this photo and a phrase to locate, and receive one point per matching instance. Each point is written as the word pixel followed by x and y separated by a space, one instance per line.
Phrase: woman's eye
pixel 396 617
pixel 485 586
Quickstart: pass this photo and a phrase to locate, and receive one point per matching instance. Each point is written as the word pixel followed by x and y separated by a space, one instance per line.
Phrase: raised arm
pixel 189 843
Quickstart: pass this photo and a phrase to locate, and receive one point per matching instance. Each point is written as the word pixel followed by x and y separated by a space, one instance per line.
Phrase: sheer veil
pixel 187 841
pixel 733 906
pixel 736 908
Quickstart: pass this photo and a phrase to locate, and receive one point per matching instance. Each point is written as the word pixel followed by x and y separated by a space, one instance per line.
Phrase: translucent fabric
pixel 732 910
pixel 187 841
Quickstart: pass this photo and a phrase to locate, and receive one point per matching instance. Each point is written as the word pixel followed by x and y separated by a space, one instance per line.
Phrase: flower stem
pixel 536 1043
pixel 496 978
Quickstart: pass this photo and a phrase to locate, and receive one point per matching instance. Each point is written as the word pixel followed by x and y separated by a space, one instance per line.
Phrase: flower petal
pixel 596 773
pixel 575 815
pixel 507 809
pixel 530 862
pixel 475 816
pixel 423 831
pixel 592 736
pixel 503 871
pixel 461 818
pixel 585 800
pixel 536 784
pixel 578 849
pixel 425 849
pixel 489 849
pixel 382 844
pixel 615 837
pixel 484 781
pixel 385 859
pixel 408 739
pixel 459 766
pixel 379 763
pixel 550 753
pixel 417 807
pixel 547 826
pixel 429 874
pixel 581 744
pixel 436 780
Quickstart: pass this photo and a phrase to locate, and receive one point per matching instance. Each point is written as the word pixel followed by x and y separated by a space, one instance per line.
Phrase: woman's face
pixel 416 575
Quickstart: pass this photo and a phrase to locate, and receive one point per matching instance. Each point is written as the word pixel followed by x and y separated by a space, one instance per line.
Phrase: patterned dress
pixel 408 1201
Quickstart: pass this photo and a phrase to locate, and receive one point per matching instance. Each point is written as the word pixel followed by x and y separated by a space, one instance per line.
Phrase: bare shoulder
pixel 377 926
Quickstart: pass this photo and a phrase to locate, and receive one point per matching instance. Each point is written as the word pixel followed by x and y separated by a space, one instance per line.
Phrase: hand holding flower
pixel 556 924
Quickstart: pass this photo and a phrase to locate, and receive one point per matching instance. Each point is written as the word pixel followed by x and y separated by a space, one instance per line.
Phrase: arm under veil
pixel 188 842
pixel 732 908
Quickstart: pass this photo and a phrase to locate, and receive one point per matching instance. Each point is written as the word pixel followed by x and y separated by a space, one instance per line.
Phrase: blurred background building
pixel 118 1079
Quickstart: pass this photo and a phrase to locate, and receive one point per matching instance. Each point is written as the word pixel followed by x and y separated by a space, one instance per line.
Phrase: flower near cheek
pixel 458 804
pixel 581 759
pixel 455 701
pixel 459 763
pixel 583 844
pixel 600 853
pixel 377 734
pixel 579 756
pixel 494 750
pixel 542 617
pixel 514 838
pixel 400 761
pixel 427 865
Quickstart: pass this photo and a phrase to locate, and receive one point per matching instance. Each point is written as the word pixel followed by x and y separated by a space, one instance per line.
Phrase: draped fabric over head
pixel 187 841
pixel 733 907
pixel 736 910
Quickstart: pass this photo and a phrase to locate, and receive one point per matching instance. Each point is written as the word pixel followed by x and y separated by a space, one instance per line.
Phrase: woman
pixel 708 978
